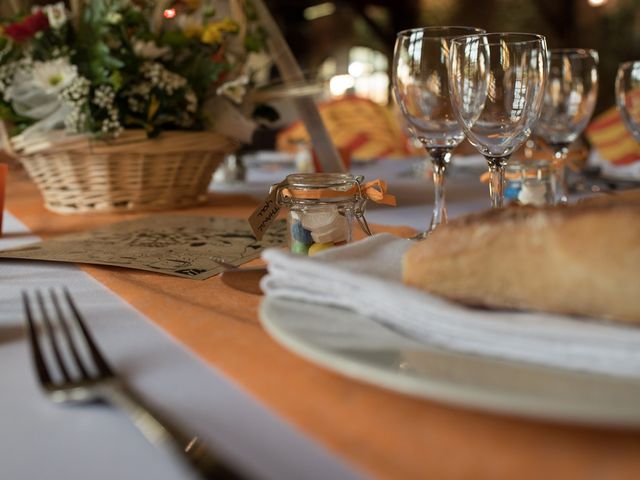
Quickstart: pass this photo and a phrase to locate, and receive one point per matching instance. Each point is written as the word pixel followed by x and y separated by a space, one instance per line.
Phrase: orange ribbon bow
pixel 376 190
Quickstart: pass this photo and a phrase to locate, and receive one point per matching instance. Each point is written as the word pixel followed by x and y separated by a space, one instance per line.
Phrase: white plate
pixel 377 355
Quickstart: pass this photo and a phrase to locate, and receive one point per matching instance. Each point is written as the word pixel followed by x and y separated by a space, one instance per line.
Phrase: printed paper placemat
pixel 182 246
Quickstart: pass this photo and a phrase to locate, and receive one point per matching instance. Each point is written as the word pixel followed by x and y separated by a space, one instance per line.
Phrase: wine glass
pixel 569 99
pixel 497 84
pixel 628 96
pixel 421 89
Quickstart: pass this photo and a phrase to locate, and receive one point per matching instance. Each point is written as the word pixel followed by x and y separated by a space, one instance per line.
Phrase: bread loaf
pixel 582 259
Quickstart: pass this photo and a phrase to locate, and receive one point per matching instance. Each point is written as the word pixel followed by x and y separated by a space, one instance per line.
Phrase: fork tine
pixel 101 363
pixel 41 366
pixel 67 333
pixel 105 386
pixel 52 337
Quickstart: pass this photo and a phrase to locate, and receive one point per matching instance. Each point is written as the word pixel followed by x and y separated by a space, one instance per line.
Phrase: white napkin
pixel 366 277
pixel 629 171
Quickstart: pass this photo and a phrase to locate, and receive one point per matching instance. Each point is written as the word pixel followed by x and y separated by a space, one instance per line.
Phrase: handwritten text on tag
pixel 263 216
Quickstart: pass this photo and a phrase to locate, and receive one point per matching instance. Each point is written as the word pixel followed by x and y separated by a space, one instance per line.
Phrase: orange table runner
pixel 386 434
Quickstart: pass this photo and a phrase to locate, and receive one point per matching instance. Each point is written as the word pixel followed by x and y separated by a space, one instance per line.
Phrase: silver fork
pixel 76 371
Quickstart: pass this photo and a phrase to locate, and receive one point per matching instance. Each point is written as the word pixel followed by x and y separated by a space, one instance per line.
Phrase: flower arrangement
pixel 102 66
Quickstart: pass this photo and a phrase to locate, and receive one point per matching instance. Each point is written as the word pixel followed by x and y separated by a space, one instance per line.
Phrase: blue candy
pixel 301 234
pixel 511 190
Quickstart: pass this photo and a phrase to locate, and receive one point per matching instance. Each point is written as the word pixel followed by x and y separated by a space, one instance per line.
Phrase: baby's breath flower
pixel 162 78
pixel 77 92
pixel 10 70
pixel 75 121
pixel 143 89
pixel 104 96
pixel 76 96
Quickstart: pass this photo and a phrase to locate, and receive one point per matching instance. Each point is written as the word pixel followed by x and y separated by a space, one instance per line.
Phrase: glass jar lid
pixel 322 187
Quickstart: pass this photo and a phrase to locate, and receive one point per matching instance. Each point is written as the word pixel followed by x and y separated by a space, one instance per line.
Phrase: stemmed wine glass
pixel 569 99
pixel 628 96
pixel 497 84
pixel 422 91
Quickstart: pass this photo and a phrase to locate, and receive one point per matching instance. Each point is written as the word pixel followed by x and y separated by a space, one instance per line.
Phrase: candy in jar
pixel 322 208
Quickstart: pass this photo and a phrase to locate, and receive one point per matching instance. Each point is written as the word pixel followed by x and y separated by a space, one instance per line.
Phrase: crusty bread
pixel 582 259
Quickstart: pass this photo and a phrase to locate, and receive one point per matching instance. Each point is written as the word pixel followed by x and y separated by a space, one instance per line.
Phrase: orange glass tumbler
pixel 3 183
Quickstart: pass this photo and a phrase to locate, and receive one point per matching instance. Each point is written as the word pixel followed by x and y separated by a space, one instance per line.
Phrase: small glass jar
pixel 322 208
pixel 530 182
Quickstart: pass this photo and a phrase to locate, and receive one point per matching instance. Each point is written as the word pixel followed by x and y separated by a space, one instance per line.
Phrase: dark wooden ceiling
pixel 305 37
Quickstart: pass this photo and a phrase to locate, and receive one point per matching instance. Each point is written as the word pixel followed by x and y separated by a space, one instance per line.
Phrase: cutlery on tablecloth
pixel 77 372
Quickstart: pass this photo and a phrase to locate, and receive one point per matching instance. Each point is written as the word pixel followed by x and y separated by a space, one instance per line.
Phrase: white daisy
pixel 35 92
pixel 53 76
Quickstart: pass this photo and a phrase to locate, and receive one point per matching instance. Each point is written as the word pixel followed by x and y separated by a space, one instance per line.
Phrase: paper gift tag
pixel 267 212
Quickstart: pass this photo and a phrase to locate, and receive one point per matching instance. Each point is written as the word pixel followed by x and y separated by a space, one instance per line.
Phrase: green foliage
pixel 255 39
pixel 134 76
pixel 16 122
pixel 94 57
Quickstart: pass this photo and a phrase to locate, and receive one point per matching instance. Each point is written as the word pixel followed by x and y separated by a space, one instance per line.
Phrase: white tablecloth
pixel 41 440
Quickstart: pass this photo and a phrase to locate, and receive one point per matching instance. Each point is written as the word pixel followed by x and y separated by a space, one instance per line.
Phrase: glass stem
pixel 561 187
pixel 440 158
pixel 496 182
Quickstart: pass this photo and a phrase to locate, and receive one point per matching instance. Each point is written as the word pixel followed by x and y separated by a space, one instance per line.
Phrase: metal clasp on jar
pixel 360 207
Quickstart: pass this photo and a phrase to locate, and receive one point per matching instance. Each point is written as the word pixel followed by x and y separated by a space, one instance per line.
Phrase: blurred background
pixel 351 42
pixel 347 45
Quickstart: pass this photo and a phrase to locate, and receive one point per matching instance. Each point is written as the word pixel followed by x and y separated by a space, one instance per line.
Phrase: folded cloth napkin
pixel 366 277
pixel 618 152
pixel 629 171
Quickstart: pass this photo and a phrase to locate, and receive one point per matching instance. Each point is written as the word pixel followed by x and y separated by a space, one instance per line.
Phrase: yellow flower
pixel 213 32
pixel 154 105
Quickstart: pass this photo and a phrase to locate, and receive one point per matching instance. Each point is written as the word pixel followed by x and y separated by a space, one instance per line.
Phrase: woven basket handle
pixel 77 6
pixel 14 7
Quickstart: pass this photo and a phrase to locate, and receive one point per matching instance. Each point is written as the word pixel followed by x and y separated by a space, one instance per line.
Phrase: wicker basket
pixel 131 173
